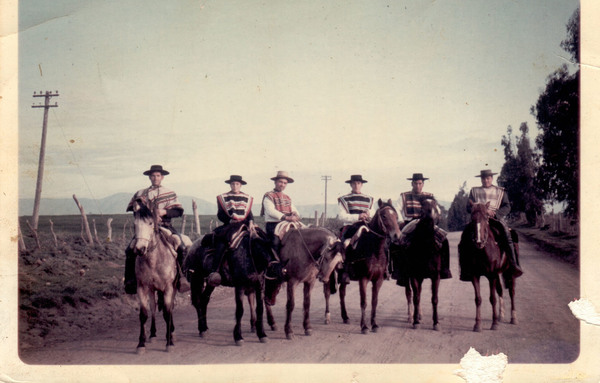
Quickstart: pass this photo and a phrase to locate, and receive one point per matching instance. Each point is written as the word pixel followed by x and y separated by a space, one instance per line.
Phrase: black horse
pixel 244 268
pixel 423 259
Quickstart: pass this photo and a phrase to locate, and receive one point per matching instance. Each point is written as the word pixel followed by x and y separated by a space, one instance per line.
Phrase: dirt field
pixel 73 312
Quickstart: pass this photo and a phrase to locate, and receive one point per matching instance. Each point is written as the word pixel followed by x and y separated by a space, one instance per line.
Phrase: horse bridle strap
pixel 380 224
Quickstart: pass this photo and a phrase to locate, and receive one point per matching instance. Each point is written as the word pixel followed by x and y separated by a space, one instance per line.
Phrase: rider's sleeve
pixel 271 214
pixel 504 207
pixel 222 215
pixel 174 212
pixel 347 218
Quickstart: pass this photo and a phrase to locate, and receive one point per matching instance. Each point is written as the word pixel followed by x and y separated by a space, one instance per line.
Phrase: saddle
pixel 354 239
pixel 405 239
pixel 283 227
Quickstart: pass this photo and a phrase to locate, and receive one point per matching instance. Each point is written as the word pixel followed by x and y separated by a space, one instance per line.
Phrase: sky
pixel 211 88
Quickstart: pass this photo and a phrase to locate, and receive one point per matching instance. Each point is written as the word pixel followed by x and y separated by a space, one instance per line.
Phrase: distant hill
pixel 114 204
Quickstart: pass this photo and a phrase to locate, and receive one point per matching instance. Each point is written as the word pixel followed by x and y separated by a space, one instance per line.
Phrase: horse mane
pixel 144 211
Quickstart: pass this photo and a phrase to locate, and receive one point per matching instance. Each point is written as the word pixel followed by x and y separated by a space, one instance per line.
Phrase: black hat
pixel 486 173
pixel 156 168
pixel 356 177
pixel 417 177
pixel 234 178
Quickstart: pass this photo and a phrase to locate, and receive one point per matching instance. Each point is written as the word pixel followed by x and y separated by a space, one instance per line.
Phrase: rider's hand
pixel 491 213
pixel 162 212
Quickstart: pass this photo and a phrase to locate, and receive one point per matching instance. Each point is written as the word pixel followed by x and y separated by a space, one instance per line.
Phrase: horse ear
pixel 379 202
pixel 389 201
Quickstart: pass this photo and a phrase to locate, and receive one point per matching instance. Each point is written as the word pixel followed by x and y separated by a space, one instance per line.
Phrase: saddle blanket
pixel 175 240
pixel 354 240
pixel 439 235
pixel 283 227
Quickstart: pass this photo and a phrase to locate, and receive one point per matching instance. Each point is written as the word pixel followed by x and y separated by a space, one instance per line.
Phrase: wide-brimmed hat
pixel 235 178
pixel 417 177
pixel 486 173
pixel 283 174
pixel 356 177
pixel 156 168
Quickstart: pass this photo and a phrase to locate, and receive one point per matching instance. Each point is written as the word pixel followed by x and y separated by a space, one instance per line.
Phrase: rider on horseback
pixel 234 210
pixel 411 211
pixel 355 210
pixel 168 207
pixel 499 207
pixel 277 207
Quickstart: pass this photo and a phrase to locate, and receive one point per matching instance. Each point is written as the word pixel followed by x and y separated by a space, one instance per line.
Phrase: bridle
pixel 379 223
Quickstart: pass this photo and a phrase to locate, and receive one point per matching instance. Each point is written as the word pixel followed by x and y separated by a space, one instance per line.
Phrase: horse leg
pixel 252 303
pixel 362 284
pixel 374 300
pixel 435 288
pixel 327 294
pixel 342 292
pixel 493 282
pixel 477 288
pixel 500 300
pixel 511 291
pixel 260 305
pixel 239 312
pixel 203 304
pixel 289 307
pixel 308 286
pixel 270 318
pixel 143 298
pixel 169 300
pixel 409 303
pixel 416 284
pixel 152 320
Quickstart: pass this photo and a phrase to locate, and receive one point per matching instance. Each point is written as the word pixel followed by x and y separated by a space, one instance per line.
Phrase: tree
pixel 518 175
pixel 557 116
pixel 458 217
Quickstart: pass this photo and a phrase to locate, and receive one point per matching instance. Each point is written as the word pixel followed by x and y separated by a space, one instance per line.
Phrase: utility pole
pixel 325 178
pixel 38 186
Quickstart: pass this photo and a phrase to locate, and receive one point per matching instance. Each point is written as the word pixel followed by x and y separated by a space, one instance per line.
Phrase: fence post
pixel 109 236
pixel 84 222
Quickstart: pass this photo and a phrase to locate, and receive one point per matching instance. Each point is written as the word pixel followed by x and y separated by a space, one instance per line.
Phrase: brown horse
pixel 367 261
pixel 155 270
pixel 308 254
pixel 480 255
pixel 423 259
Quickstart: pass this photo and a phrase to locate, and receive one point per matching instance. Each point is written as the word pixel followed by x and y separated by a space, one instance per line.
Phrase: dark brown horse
pixel 247 267
pixel 308 254
pixel 423 259
pixel 480 255
pixel 155 270
pixel 367 261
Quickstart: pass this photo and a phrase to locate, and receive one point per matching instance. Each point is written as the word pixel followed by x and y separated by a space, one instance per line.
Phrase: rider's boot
pixel 181 281
pixel 130 278
pixel 214 278
pixel 515 269
pixel 445 272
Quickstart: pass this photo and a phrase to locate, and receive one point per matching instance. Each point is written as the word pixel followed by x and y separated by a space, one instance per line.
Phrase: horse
pixel 245 268
pixel 367 260
pixel 308 253
pixel 480 255
pixel 155 270
pixel 423 259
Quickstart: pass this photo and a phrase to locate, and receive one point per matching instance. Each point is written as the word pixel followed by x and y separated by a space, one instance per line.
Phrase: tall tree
pixel 518 175
pixel 458 217
pixel 557 115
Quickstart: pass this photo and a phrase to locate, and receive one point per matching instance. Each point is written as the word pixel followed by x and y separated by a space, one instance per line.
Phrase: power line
pixel 325 178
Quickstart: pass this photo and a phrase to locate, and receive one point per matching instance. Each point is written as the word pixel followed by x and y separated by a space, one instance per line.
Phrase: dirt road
pixel 547 331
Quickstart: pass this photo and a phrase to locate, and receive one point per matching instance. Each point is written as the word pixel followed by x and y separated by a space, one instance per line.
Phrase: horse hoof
pixel 346 321
pixel 416 326
pixel 290 336
pixel 169 348
pixel 364 331
pixel 308 332
pixel 436 327
pixel 375 328
pixel 514 321
pixel 264 339
pixel 141 350
pixel 274 327
pixel 494 326
pixel 239 342
pixel 201 334
pixel 477 328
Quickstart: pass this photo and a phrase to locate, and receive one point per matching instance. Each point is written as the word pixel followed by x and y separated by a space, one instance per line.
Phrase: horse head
pixel 430 211
pixel 480 220
pixel 385 221
pixel 144 224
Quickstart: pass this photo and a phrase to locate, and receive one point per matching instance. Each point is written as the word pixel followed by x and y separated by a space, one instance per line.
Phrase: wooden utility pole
pixel 325 178
pixel 38 187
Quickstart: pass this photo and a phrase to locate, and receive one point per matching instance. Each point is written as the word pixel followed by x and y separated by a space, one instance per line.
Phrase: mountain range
pixel 117 203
